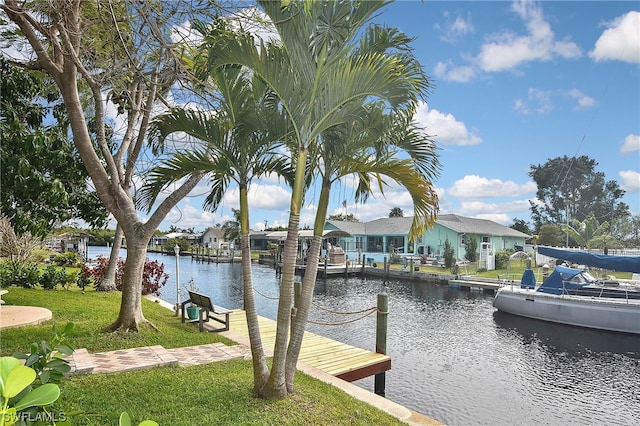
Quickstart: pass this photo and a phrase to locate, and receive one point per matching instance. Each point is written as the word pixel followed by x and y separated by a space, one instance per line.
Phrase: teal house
pixel 381 237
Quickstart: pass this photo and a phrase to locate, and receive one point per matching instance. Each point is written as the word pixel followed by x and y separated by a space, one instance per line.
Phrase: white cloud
pixel 267 197
pixel 631 144
pixel 460 74
pixel 444 127
pixel 538 101
pixel 507 50
pixel 630 180
pixel 584 101
pixel 620 41
pixel 455 27
pixel 473 187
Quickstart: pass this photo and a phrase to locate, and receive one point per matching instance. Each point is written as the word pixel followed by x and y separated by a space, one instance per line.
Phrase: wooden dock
pixel 335 358
pixel 490 286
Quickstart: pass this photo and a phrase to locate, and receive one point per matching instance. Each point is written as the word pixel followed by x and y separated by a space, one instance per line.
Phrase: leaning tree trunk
pixel 299 322
pixel 260 369
pixel 108 282
pixel 276 386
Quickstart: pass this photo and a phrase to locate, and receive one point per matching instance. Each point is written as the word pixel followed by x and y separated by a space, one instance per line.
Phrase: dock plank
pixel 344 361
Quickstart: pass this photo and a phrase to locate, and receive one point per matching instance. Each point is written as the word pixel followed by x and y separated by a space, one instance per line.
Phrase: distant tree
pixel 551 235
pixel 231 228
pixel 570 188
pixel 344 217
pixel 627 230
pixel 449 254
pixel 522 226
pixel 396 212
pixel 470 248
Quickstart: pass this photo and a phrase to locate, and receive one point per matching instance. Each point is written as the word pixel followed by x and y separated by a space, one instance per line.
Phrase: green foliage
pixel 43 179
pixel 551 235
pixel 449 254
pixel 350 217
pixel 18 396
pixel 17 273
pixel 502 258
pixel 396 212
pixel 68 258
pixel 46 358
pixel 580 192
pixel 183 243
pixel 52 277
pixel 471 247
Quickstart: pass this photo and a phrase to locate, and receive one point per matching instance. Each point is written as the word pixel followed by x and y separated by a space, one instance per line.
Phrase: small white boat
pixel 572 296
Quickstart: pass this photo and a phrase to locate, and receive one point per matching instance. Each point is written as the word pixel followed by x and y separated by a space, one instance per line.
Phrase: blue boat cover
pixel 613 263
pixel 563 278
pixel 528 279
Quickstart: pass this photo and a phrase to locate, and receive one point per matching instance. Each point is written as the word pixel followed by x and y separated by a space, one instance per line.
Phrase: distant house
pixel 213 238
pixel 391 235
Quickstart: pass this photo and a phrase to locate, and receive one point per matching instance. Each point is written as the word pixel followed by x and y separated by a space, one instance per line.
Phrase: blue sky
pixel 514 84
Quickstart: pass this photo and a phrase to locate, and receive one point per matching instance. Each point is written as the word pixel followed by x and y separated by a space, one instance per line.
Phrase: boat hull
pixel 621 315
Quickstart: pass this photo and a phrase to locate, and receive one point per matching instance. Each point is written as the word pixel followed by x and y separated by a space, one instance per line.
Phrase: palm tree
pixel 240 142
pixel 370 147
pixel 321 80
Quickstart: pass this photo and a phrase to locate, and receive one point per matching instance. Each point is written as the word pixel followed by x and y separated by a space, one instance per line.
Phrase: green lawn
pixel 218 393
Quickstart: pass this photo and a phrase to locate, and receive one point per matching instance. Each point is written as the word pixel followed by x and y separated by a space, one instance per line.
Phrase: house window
pixel 374 244
pixel 359 243
pixel 485 239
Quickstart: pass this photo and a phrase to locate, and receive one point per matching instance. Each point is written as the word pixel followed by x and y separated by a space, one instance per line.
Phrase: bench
pixel 208 311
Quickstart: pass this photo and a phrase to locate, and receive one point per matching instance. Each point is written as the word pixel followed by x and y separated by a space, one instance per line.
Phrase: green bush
pixel 16 273
pixel 449 254
pixel 51 277
pixel 502 259
pixel 68 258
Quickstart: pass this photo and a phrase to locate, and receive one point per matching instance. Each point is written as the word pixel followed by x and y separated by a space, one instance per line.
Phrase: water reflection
pixel 573 341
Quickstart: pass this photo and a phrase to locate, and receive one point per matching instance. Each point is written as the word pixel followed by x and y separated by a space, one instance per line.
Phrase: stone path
pixel 83 362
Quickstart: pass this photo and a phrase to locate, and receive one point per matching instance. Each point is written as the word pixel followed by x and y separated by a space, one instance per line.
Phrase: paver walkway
pixel 83 362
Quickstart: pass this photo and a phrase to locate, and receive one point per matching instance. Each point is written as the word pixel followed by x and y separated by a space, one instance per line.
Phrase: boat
pixel 571 295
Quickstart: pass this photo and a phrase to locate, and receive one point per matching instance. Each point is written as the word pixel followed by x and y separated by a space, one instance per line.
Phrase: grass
pixel 218 393
pixel 91 312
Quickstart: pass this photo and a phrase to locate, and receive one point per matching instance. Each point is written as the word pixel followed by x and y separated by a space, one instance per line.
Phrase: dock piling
pixel 381 339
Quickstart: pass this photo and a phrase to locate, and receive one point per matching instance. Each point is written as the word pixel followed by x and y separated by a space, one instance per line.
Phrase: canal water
pixel 454 358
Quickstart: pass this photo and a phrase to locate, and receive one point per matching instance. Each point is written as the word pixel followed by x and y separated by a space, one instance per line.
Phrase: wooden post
pixel 363 259
pixel 386 267
pixel 346 267
pixel 326 262
pixel 381 339
pixel 411 267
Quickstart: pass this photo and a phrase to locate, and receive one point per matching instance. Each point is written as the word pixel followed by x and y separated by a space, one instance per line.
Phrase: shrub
pixel 51 277
pixel 17 273
pixel 449 254
pixel 502 259
pixel 153 277
pixel 67 258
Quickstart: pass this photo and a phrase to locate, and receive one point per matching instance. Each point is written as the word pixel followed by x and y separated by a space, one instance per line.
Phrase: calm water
pixel 454 358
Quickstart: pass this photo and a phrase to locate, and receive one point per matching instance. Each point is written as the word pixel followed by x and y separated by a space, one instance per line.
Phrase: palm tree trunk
pixel 308 283
pixel 276 386
pixel 260 369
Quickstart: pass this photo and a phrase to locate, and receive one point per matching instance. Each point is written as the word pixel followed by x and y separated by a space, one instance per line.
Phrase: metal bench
pixel 208 311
